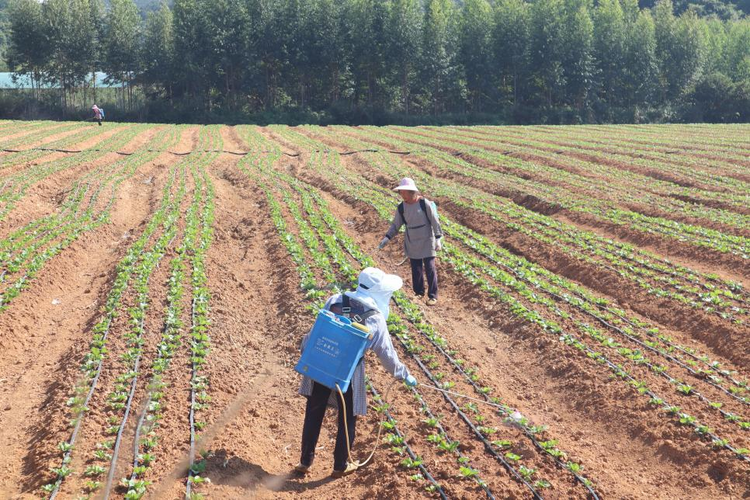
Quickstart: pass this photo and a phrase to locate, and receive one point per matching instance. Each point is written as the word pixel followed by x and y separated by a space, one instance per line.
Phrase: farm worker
pixel 97 114
pixel 370 299
pixel 422 239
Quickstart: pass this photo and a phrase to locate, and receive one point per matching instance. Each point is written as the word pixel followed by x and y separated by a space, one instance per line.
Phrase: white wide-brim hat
pixel 406 184
pixel 375 280
pixel 375 289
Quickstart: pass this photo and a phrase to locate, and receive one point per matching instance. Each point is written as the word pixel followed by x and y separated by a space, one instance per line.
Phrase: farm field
pixel 156 281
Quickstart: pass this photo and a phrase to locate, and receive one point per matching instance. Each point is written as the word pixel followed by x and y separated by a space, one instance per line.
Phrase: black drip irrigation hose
pixel 191 417
pixel 621 372
pixel 59 216
pixel 523 428
pixel 617 329
pixel 470 424
pixel 487 445
pixel 141 420
pixel 236 153
pixel 665 342
pixel 438 489
pixel 133 386
pixel 443 432
pixel 744 295
pixel 118 440
pixel 79 419
pixel 409 451
pixel 639 342
pixel 525 431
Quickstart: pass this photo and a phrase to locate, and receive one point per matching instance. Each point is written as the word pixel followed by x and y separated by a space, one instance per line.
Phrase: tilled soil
pixel 258 314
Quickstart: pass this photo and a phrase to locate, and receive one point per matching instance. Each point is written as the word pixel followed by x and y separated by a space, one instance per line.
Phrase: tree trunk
pixel 405 88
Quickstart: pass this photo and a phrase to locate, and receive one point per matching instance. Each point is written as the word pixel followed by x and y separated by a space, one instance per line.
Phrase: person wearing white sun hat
pixel 422 239
pixel 368 304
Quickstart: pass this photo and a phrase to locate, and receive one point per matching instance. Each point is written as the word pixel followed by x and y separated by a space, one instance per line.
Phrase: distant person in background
pixel 98 115
pixel 101 111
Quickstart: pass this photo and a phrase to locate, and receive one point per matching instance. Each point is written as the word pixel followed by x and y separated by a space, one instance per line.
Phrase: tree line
pixel 393 60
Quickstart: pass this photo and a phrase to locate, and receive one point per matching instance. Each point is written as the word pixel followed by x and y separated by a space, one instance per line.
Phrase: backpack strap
pixel 401 211
pixel 346 309
pixel 423 206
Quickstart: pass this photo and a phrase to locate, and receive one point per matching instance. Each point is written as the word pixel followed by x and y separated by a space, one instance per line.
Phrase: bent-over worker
pixel 369 300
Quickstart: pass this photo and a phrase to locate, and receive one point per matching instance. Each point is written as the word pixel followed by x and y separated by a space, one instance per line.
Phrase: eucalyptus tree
pixel 404 29
pixel 476 52
pixel 609 43
pixel 122 49
pixel 226 29
pixel 511 44
pixel 578 53
pixel 73 43
pixel 157 52
pixel 28 51
pixel 546 47
pixel 441 72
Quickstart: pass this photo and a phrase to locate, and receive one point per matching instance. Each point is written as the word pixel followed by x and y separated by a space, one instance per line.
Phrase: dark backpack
pixel 346 310
pixel 422 205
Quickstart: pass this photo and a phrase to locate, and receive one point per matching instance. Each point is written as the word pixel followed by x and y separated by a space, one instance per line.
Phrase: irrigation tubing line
pixel 487 445
pixel 634 339
pixel 476 432
pixel 525 431
pixel 409 451
pixel 79 420
pixel 617 329
pixel 744 295
pixel 236 153
pixel 133 383
pixel 191 415
pixel 444 433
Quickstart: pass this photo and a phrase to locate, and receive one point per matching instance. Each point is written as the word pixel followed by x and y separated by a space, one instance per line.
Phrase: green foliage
pixel 356 61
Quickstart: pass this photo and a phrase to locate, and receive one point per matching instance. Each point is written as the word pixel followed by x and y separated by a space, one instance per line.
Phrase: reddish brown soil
pixel 628 448
pixel 45 197
pixel 727 265
pixel 677 153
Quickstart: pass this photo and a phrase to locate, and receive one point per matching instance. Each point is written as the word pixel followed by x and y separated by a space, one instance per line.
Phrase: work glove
pixel 383 242
pixel 439 245
pixel 411 381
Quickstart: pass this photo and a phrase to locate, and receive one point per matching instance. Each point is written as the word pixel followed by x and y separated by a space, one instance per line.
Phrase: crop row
pixel 583 302
pixel 501 450
pixel 129 382
pixel 93 362
pixel 547 164
pixel 655 275
pixel 28 249
pixel 517 187
pixel 668 153
pixel 473 269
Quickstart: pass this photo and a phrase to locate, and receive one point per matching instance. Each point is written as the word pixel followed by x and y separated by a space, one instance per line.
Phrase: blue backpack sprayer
pixel 334 348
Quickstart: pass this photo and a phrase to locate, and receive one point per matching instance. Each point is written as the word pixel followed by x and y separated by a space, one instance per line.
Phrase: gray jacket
pixel 422 230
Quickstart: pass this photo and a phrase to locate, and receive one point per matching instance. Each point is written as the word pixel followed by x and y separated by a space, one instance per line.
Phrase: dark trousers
pixel 314 413
pixel 418 269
